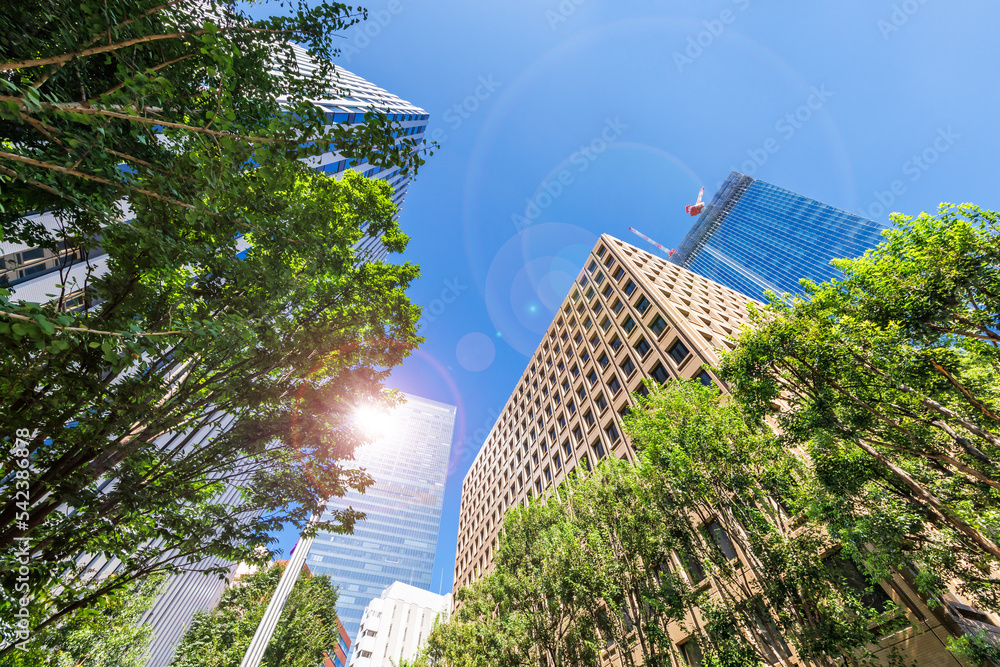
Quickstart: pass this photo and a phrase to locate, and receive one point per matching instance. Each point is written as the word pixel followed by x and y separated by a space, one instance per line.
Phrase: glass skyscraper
pixel 755 237
pixel 398 539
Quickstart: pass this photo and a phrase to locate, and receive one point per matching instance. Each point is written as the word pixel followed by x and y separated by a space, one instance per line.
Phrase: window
pixel 617 306
pixel 586 462
pixel 562 422
pixel 607 291
pixel 603 360
pixel 598 307
pixel 581 392
pixel 629 288
pixel 557 462
pixel 548 475
pixel 691 652
pixel 642 347
pixel 567 448
pixel 593 265
pixel 534 457
pixel 578 338
pixel 769 637
pixel 658 325
pixel 601 402
pixel 600 251
pixel 871 593
pixel 721 539
pixel 575 371
pixel 615 386
pixel 678 352
pixel 588 417
pixel 642 305
pixel 561 366
pixel 571 407
pixel 590 294
pixel 642 390
pixel 585 356
pixel 577 434
pixel 565 386
pixel 612 432
pixel 599 449
pixel 605 324
pixel 587 323
pixel 616 343
pixel 592 376
pixel 705 378
pixel 599 279
pixel 660 373
pixel 552 435
pixel 619 273
pixel 538 486
pixel 545 447
pixel 629 324
pixel 627 367
pixel 548 411
pixel 576 296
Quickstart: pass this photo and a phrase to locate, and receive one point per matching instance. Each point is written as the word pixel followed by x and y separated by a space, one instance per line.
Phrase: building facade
pixel 397 540
pixel 754 237
pixel 395 625
pixel 631 316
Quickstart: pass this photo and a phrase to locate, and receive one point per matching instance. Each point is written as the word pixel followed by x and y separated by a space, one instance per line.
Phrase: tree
pixel 107 637
pixel 888 379
pixel 308 624
pixel 690 540
pixel 234 301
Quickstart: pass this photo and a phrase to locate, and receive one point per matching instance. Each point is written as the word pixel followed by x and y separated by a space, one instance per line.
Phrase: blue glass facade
pixel 398 539
pixel 755 237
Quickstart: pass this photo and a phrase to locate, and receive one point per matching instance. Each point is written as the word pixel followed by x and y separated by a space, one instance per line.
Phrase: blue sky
pixel 562 120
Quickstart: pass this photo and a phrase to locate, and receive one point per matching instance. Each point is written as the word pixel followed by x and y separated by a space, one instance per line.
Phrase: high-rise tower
pixel 755 237
pixel 397 541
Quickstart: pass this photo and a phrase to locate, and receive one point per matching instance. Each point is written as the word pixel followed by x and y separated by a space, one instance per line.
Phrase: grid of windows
pixel 578 383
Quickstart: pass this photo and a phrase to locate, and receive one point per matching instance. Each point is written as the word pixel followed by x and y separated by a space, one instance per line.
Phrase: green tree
pixel 308 624
pixel 888 379
pixel 692 539
pixel 107 637
pixel 172 136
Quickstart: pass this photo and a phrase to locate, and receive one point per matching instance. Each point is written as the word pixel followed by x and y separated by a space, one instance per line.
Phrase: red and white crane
pixel 635 231
pixel 698 206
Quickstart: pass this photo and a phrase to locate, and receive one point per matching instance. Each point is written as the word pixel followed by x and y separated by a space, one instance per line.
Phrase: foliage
pixel 887 378
pixel 308 624
pixel 173 136
pixel 688 540
pixel 106 637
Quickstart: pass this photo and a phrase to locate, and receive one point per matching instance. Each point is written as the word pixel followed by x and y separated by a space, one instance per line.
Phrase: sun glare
pixel 373 422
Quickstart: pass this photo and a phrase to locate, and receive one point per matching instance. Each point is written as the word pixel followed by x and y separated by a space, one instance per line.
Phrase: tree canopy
pixel 198 395
pixel 308 624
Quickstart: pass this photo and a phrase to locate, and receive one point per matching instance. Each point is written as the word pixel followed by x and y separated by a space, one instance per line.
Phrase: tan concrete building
pixel 629 316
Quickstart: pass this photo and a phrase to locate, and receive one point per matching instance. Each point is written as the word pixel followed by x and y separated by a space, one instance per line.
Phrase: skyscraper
pixel 629 316
pixel 396 624
pixel 398 539
pixel 755 237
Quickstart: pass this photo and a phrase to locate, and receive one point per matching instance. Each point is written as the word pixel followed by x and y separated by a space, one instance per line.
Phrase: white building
pixel 396 625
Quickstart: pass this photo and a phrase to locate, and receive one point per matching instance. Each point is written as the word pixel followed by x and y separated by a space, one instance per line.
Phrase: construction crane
pixel 697 207
pixel 670 253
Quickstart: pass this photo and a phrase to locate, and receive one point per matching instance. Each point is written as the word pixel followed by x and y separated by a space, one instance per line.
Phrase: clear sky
pixel 585 117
